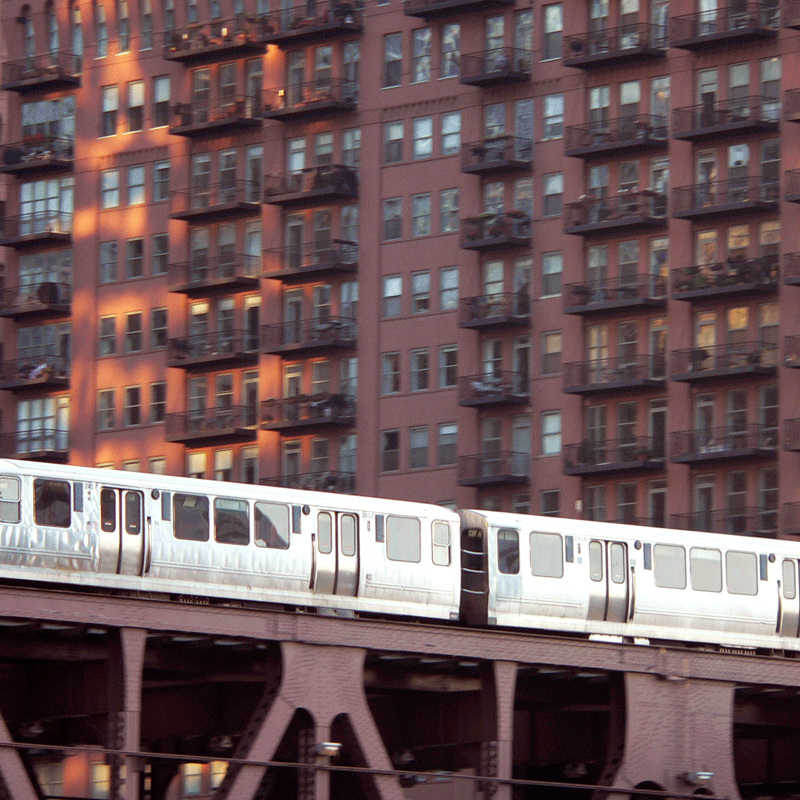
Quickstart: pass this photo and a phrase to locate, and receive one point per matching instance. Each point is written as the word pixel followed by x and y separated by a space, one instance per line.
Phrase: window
pixel 421 57
pixel 135 106
pixel 272 526
pixel 351 147
pixel 423 137
pixel 158 328
pixel 741 570
pixel 440 541
pixel 133 332
pixel 553 192
pixel 161 94
pixel 108 118
pixel 418 447
pixel 191 522
pixel 393 135
pixel 551 433
pixel 392 294
pixel 108 262
pixel 160 181
pixel 705 569
pixel 158 401
pixel 231 517
pixel 551 352
pixel 448 366
pixel 403 540
pixel 390 373
pixel 448 437
pixel 390 451
pixel 553 116
pixel 134 258
pixel 547 560
pixel 160 256
pixel 552 265
pixel 105 409
pixel 108 336
pixel 669 566
pixel 451 133
pixel 146 10
pixel 420 363
pixel 52 503
pixel 451 37
pixel 421 215
pixel 448 210
pixel 392 219
pixel 552 28
pixel 124 26
pixel 420 292
pixel 101 31
pixel 136 194
pixel 132 411
pixel 393 60
pixel 550 503
pixel 448 288
pixel 109 188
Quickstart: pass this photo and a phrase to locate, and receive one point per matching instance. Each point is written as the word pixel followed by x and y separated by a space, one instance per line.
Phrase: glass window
pixel 420 292
pixel 418 447
pixel 419 370
pixel 421 215
pixel 553 116
pixel 448 437
pixel 705 569
pixel 393 142
pixel 441 544
pixel 109 188
pixel 448 288
pixel 451 133
pixel 393 59
pixel 423 137
pixel 134 258
pixel 421 64
pixel 669 566
pixel 231 521
pixel 136 106
pixel 448 210
pixel 9 498
pixel 788 570
pixel 553 25
pixel 741 570
pixel 52 503
pixel 552 267
pixel 547 559
pixel 392 218
pixel 392 295
pixel 190 517
pixel 551 433
pixel 403 539
pixel 390 451
pixel 553 192
pixel 272 526
pixel 451 38
pixel 508 551
pixel 448 366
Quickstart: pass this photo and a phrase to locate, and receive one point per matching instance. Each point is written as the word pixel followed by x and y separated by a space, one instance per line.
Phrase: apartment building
pixel 512 255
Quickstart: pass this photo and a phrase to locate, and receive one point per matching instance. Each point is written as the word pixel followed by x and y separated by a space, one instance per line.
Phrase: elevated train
pixel 233 542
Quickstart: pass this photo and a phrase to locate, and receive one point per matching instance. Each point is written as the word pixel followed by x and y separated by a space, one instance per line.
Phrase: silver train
pixel 154 533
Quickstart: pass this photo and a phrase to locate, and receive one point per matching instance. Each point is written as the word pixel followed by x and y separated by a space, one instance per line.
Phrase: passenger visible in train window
pixel 272 526
pixel 190 513
pixel 9 498
pixel 508 551
pixel 231 521
pixel 52 503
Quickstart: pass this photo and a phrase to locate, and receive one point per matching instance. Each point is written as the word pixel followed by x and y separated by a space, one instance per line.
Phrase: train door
pixel 609 585
pixel 474 575
pixel 122 512
pixel 335 562
pixel 788 600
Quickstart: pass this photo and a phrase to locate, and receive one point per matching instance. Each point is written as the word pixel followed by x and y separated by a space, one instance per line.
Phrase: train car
pixel 133 531
pixel 633 582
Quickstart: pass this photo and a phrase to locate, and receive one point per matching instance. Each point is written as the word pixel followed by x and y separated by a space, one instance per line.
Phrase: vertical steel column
pixel 14 780
pixel 497 722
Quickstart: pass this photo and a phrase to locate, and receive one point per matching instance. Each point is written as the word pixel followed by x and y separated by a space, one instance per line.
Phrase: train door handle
pixel 632 594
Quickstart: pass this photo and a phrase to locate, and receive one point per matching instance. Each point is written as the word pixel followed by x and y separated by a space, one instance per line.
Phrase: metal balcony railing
pixel 495 229
pixel 488 310
pixel 497 154
pixel 322 94
pixel 224 422
pixel 34 226
pixel 333 181
pixel 316 19
pixel 41 444
pixel 614 135
pixel 209 199
pixel 621 291
pixel 604 374
pixel 312 258
pixel 635 452
pixel 203 114
pixel 323 408
pixel 37 152
pixel 240 35
pixel 497 388
pixel 34 370
pixel 497 66
pixel 715 26
pixel 725 277
pixel 626 208
pixel 35 298
pixel 492 469
pixel 204 272
pixel 212 346
pixel 744 521
pixel 755 113
pixel 713 198
pixel 321 332
pixel 37 71
pixel 639 40
pixel 731 441
pixel 721 360
pixel 320 481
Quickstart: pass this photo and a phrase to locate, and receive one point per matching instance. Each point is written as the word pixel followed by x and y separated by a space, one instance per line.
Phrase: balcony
pixel 35 372
pixel 498 155
pixel 724 27
pixel 628 211
pixel 631 134
pixel 629 44
pixel 36 444
pixel 498 67
pixel 715 199
pixel 791 103
pixel 791 435
pixel 47 228
pixel 213 350
pixel 208 202
pixel 312 186
pixel 317 99
pixel 744 115
pixel 491 231
pixel 491 311
pixel 741 521
pixel 312 22
pixel 792 186
pixel 605 375
pixel 496 389
pixel 310 336
pixel 791 352
pixel 715 362
pixel 735 276
pixel 42 73
pixel 790 519
pixel 227 115
pixel 313 261
pixel 324 481
pixel 791 269
pixel 431 9
pixel 725 443
pixel 37 154
pixel 224 425
pixel 615 455
pixel 295 415
pixel 203 275
pixel 623 293
pixel 36 300
pixel 494 469
pixel 220 40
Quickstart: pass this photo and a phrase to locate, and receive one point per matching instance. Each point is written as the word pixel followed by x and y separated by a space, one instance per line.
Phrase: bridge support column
pixel 497 713
pixel 678 736
pixel 14 781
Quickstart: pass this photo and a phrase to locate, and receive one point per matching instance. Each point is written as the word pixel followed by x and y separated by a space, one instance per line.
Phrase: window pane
pixel 403 539
pixel 669 566
pixel 546 555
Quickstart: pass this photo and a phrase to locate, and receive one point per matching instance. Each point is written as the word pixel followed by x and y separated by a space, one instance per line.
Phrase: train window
pixel 705 569
pixel 617 566
pixel 9 498
pixel 231 521
pixel 347 534
pixel 272 526
pixel 547 559
pixel 669 566
pixel 403 539
pixel 789 579
pixel 441 544
pixel 325 532
pixel 741 570
pixel 133 513
pixel 108 510
pixel 596 561
pixel 190 514
pixel 508 551
pixel 51 503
